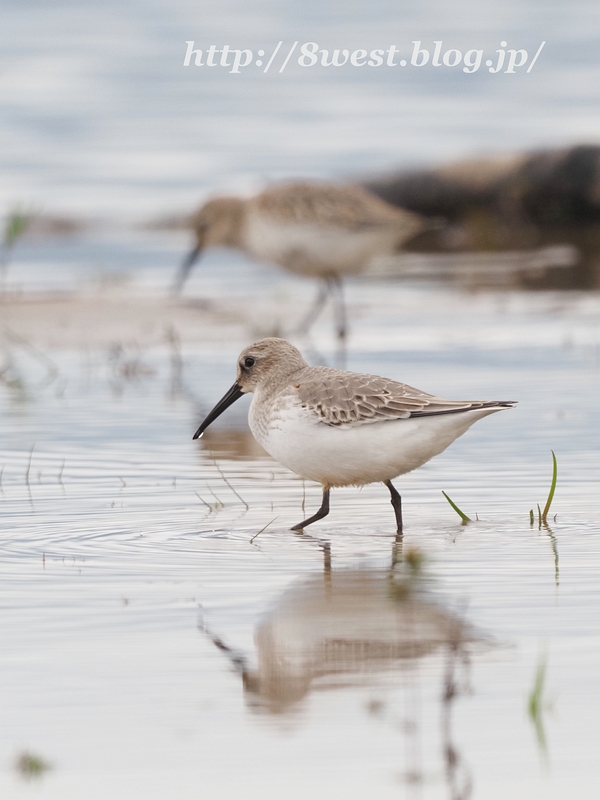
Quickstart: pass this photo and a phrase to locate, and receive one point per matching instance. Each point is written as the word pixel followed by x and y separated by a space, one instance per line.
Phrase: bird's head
pixel 219 222
pixel 266 364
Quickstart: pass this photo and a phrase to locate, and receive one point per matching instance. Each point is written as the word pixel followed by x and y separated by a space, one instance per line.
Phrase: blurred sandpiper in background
pixel 159 215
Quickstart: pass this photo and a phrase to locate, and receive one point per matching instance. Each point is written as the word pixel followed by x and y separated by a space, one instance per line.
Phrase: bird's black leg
pixel 339 314
pixel 339 308
pixel 316 308
pixel 396 503
pixel 322 512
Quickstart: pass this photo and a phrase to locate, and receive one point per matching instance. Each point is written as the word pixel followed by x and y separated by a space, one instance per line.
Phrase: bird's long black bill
pixel 185 268
pixel 232 395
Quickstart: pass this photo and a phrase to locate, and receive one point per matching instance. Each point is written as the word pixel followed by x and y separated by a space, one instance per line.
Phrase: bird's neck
pixel 277 382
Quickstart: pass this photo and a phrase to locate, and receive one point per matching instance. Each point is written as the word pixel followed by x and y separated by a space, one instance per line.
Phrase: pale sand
pixel 67 320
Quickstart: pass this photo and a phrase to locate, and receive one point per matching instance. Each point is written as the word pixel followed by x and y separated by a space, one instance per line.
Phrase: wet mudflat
pixel 154 645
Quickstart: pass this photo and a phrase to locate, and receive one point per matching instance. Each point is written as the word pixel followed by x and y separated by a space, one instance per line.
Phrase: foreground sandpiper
pixel 317 230
pixel 343 428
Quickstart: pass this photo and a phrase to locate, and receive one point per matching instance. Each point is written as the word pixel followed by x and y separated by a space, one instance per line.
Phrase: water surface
pixel 153 647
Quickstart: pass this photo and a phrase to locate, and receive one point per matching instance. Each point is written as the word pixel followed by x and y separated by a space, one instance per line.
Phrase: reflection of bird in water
pixel 316 230
pixel 350 628
pixel 347 627
pixel 343 428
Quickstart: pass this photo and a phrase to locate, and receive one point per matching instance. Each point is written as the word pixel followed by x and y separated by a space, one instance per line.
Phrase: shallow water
pixel 152 647
pixel 164 634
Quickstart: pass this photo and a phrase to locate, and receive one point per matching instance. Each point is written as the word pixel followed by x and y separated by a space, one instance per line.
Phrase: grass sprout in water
pixel 536 704
pixel 31 766
pixel 17 222
pixel 543 515
pixel 461 514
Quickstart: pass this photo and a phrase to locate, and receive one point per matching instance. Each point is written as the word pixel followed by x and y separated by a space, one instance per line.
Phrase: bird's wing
pixel 348 207
pixel 350 398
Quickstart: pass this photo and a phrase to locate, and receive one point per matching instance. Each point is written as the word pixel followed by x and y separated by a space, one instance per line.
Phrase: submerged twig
pixel 62 466
pixel 173 340
pixel 219 502
pixel 27 471
pixel 263 529
pixel 222 474
pixel 52 371
pixel 458 774
pixel 208 505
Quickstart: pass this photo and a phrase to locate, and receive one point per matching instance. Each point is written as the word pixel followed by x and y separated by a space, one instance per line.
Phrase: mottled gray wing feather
pixel 350 398
pixel 348 207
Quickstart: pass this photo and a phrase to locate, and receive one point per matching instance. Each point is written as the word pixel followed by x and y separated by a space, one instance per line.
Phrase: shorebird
pixel 343 428
pixel 321 231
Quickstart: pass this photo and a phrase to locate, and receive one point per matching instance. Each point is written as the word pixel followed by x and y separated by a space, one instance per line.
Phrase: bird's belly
pixel 315 250
pixel 361 454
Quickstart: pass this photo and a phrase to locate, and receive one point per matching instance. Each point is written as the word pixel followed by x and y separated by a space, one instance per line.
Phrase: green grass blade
pixel 16 225
pixel 535 704
pixel 535 696
pixel 531 517
pixel 460 513
pixel 552 488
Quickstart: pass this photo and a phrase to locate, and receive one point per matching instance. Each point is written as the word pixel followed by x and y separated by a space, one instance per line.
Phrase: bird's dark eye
pixel 248 362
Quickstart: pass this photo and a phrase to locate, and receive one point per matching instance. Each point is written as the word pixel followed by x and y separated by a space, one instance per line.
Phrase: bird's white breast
pixel 352 454
pixel 312 249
